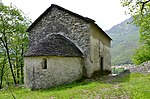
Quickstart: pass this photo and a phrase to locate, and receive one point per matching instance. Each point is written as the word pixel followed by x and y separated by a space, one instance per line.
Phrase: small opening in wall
pixel 44 63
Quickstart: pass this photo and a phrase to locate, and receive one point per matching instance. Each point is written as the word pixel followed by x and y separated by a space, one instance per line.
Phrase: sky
pixel 106 13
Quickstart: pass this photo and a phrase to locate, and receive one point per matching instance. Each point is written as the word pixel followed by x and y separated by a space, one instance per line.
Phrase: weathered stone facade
pixel 60 22
pixel 100 50
pixel 65 70
pixel 83 32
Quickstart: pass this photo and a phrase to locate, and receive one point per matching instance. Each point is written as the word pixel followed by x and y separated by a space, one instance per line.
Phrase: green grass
pixel 117 70
pixel 135 86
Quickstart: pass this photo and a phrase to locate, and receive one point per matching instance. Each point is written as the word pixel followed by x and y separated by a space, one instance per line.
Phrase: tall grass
pixel 135 86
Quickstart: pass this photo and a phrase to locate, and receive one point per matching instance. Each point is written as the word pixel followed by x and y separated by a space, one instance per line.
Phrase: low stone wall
pixel 143 68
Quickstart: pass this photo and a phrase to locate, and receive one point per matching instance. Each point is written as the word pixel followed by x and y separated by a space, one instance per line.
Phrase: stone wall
pixel 59 22
pixel 78 31
pixel 72 27
pixel 143 68
pixel 100 47
pixel 60 70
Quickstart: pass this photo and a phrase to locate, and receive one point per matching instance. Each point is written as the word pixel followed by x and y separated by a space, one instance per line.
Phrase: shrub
pixel 141 55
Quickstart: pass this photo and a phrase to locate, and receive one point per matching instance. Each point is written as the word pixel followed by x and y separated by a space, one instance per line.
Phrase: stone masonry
pixel 60 22
pixel 56 25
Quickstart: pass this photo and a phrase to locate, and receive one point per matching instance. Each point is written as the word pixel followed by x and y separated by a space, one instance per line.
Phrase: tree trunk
pixel 22 77
pixel 8 57
pixel 2 73
pixel 17 65
pixel 9 60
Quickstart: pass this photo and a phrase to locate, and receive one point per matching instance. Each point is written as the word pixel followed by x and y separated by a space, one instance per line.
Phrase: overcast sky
pixel 106 13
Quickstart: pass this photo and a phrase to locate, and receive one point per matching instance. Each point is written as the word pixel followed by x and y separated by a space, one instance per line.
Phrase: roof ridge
pixel 61 8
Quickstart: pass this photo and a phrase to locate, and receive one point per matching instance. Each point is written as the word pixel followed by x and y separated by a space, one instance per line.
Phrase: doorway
pixel 101 65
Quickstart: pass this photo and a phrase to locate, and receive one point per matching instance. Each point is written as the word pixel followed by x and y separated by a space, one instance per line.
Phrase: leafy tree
pixel 140 10
pixel 141 55
pixel 13 40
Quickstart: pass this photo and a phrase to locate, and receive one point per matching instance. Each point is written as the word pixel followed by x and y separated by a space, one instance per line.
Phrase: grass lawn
pixel 135 86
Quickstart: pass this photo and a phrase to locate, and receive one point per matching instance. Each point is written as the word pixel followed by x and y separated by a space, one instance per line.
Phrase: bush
pixel 141 55
pixel 117 70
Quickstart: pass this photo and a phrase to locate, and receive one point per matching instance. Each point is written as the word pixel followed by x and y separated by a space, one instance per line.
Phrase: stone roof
pixel 61 8
pixel 54 45
pixel 68 11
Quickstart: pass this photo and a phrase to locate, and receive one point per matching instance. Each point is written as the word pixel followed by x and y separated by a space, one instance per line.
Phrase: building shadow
pixel 119 78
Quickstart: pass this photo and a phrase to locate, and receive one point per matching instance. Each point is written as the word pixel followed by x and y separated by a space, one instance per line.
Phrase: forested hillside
pixel 125 38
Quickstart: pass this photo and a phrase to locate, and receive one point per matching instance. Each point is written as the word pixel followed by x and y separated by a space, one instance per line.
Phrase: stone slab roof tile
pixel 54 45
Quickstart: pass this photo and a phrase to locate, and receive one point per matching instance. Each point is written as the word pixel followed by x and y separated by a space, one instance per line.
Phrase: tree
pixel 13 39
pixel 141 55
pixel 140 11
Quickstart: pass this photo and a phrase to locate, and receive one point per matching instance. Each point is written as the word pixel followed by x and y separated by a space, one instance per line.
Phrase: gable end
pixel 61 8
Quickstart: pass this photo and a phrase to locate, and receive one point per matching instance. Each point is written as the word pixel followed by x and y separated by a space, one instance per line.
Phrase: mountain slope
pixel 125 38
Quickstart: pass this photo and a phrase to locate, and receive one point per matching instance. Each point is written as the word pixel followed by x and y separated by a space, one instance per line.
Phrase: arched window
pixel 44 63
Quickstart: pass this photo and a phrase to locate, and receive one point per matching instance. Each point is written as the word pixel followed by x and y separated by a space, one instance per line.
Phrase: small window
pixel 44 63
